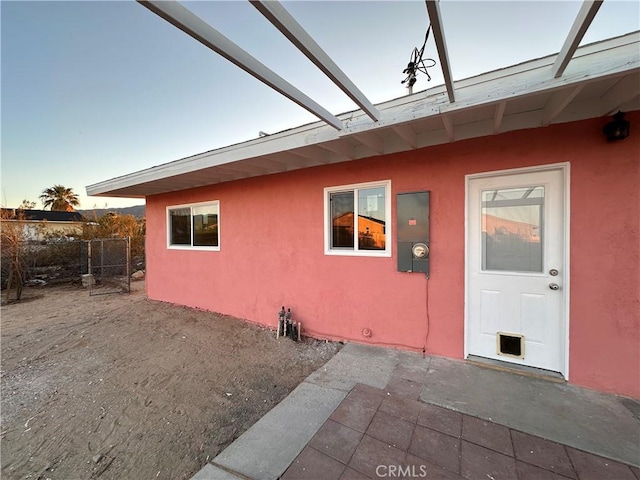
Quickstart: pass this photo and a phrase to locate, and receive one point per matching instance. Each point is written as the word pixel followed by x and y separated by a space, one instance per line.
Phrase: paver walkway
pixel 374 413
pixel 376 433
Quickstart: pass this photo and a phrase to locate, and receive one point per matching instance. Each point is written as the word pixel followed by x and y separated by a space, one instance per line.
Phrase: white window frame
pixel 355 252
pixel 190 206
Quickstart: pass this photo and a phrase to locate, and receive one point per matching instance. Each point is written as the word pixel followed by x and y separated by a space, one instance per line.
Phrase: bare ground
pixel 118 386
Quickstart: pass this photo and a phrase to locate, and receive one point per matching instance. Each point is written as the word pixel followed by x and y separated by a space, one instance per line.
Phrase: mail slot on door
pixel 413 231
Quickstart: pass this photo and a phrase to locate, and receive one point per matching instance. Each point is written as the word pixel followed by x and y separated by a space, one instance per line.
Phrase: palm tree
pixel 59 198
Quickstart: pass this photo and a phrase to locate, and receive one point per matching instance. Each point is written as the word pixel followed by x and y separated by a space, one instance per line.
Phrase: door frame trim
pixel 565 168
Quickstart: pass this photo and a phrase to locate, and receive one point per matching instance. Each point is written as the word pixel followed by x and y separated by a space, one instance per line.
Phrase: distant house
pixel 528 217
pixel 38 224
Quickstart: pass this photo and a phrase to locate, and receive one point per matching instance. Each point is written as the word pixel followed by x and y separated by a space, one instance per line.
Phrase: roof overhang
pixel 601 78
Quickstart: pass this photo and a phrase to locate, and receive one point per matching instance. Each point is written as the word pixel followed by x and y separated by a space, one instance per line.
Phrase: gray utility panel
pixel 413 232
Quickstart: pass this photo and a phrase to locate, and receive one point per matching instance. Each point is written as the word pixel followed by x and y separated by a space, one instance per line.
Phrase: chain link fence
pixel 109 266
pixel 44 263
pixel 103 265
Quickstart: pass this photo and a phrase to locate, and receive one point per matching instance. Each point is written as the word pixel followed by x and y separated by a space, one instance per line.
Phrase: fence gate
pixel 108 262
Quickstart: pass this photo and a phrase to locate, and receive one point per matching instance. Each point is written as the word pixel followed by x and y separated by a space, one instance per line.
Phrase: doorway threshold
pixel 523 370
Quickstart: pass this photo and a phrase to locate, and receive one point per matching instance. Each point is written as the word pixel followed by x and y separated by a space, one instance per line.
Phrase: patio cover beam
pixel 433 9
pixel 182 18
pixel 290 28
pixel 580 25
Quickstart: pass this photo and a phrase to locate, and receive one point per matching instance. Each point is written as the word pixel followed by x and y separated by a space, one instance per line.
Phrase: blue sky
pixel 94 90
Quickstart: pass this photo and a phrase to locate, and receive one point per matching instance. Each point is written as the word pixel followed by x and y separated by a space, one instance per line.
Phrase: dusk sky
pixel 94 90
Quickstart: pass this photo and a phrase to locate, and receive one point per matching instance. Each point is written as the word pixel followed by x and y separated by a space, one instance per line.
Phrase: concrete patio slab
pixel 212 472
pixel 271 444
pixel 585 419
pixel 361 396
pixel 357 364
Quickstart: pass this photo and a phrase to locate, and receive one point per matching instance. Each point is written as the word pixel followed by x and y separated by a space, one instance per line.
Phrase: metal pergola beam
pixel 580 25
pixel 182 18
pixel 433 9
pixel 273 11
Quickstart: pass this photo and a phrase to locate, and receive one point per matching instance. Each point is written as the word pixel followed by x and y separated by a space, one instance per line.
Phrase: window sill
pixel 358 253
pixel 188 247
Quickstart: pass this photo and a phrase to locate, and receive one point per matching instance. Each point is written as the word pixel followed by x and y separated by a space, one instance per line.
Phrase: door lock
pixel 554 286
pixel 553 272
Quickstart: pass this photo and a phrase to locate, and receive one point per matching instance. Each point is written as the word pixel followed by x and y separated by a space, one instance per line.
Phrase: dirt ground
pixel 121 387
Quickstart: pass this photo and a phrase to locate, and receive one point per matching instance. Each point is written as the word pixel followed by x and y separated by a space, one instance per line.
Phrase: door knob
pixel 554 286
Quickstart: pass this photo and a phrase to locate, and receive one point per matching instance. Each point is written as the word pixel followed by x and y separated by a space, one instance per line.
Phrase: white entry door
pixel 515 268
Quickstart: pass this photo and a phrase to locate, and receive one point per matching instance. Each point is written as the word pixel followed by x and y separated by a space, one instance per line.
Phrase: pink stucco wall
pixel 272 251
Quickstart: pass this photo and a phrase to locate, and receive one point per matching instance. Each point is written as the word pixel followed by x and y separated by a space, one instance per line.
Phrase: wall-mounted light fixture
pixel 617 129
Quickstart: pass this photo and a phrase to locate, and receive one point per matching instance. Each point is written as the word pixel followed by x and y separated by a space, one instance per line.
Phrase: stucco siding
pixel 272 250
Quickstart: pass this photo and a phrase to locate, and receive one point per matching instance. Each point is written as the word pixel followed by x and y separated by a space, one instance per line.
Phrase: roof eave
pixel 414 121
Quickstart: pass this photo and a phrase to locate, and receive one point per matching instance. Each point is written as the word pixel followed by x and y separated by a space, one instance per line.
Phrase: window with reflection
pixel 194 226
pixel 180 226
pixel 358 218
pixel 513 229
pixel 342 219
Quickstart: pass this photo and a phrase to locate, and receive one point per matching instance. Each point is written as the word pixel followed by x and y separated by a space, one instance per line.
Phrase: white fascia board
pixel 182 18
pixel 519 82
pixel 610 58
pixel 591 63
pixel 580 25
pixel 611 44
pixel 283 141
pixel 290 28
pixel 583 70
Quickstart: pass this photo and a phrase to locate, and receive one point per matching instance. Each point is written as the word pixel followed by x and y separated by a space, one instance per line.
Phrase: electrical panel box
pixel 413 231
